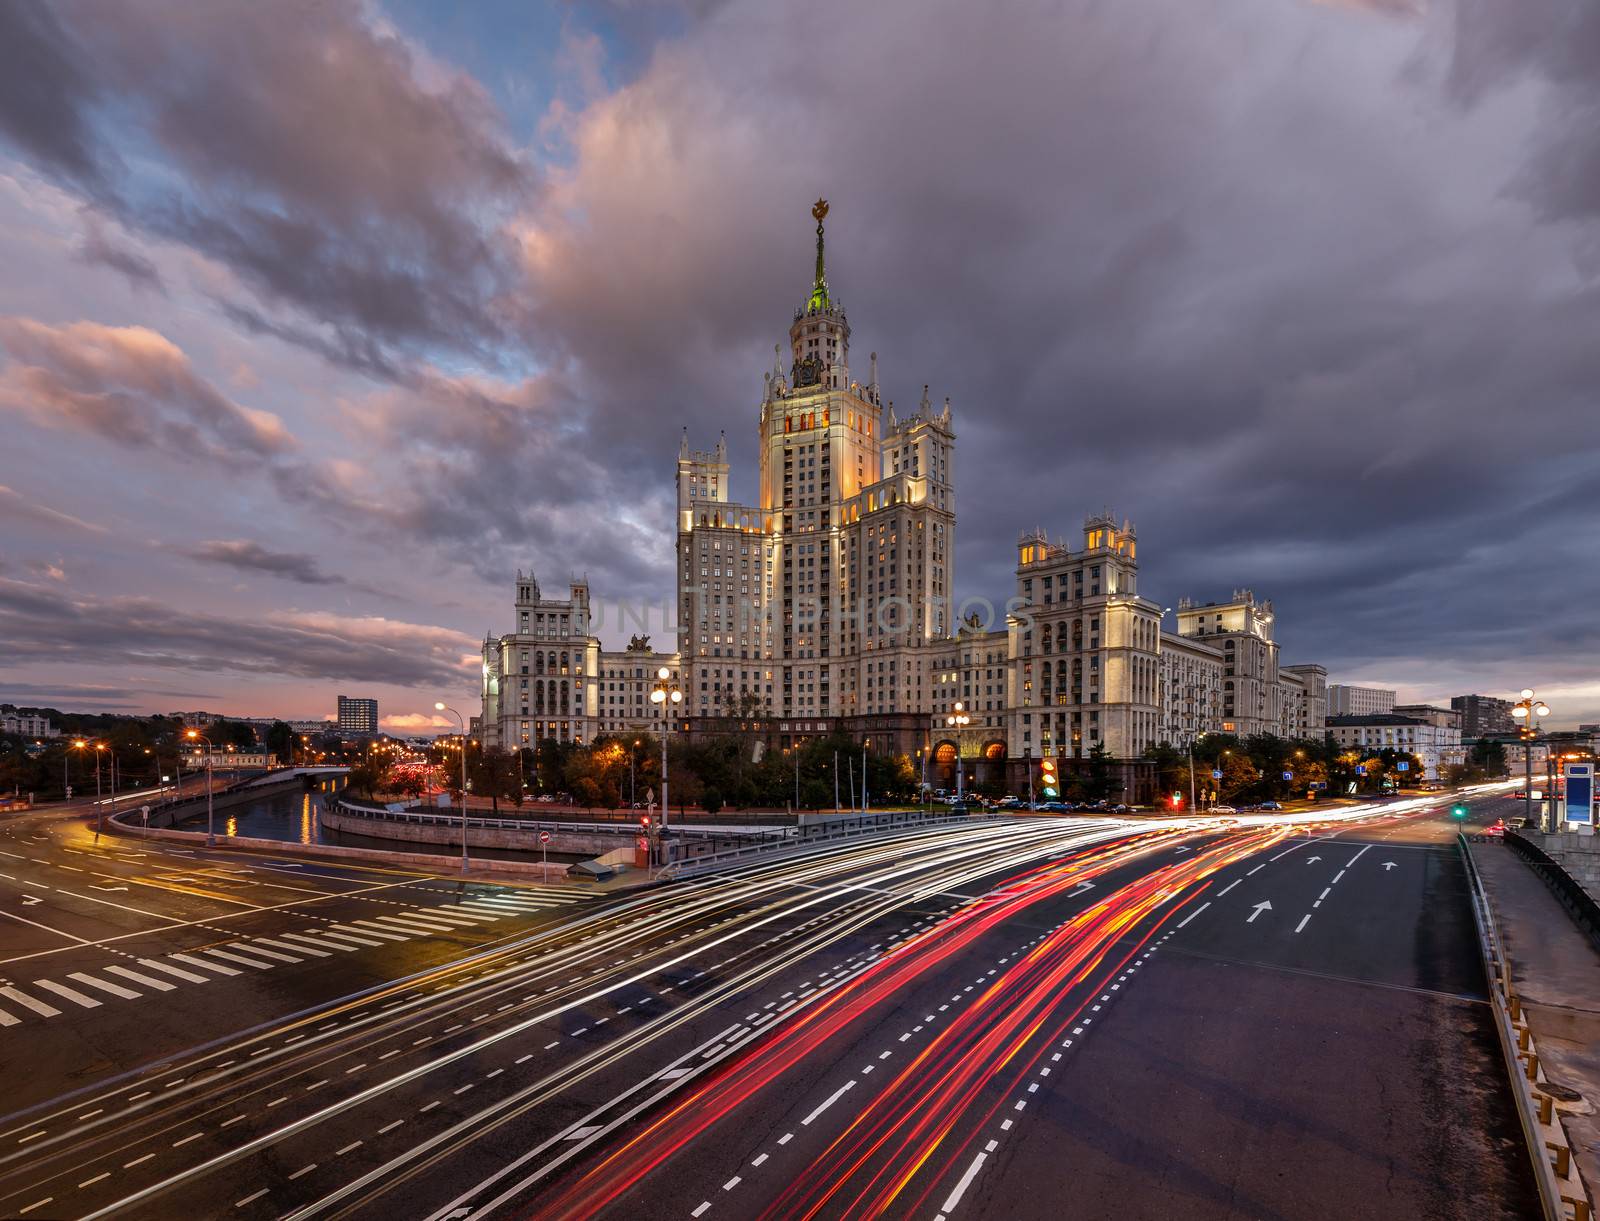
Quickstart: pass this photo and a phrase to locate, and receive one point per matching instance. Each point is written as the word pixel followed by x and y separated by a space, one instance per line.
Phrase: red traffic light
pixel 644 822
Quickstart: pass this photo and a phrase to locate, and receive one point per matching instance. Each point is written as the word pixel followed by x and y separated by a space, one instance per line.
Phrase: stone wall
pixel 1577 852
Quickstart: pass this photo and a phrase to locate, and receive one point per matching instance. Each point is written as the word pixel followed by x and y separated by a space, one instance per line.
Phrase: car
pixel 1270 805
pixel 1053 807
pixel 1496 829
pixel 1008 803
pixel 1223 810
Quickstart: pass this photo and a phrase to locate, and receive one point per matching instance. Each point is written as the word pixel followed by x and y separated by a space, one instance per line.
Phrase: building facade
pixel 826 604
pixel 1483 716
pixel 27 725
pixel 1437 746
pixel 1345 700
pixel 824 599
pixel 357 716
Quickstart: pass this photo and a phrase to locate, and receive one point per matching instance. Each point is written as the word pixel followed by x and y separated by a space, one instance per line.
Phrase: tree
pixel 1489 757
pixel 370 775
pixel 280 742
pixel 1096 782
pixel 493 774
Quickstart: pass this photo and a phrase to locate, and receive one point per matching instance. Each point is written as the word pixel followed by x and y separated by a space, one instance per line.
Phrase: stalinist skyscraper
pixel 819 604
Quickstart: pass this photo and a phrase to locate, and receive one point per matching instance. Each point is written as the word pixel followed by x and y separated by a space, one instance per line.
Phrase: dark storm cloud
pixel 1306 290
pixel 98 247
pixel 248 556
pixel 334 170
pixel 46 89
pixel 49 625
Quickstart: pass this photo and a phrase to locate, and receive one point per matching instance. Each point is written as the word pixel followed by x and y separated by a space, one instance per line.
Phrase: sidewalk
pixel 1557 973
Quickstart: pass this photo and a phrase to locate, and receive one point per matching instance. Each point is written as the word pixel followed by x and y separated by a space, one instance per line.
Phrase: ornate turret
pixel 819 287
pixel 819 340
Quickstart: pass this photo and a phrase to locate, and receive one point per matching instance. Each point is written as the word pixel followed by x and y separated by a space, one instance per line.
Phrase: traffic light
pixel 644 823
pixel 1049 784
pixel 1177 801
pixel 1458 811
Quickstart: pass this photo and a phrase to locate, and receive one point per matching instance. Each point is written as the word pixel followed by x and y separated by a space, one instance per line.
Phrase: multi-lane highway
pixel 1031 1017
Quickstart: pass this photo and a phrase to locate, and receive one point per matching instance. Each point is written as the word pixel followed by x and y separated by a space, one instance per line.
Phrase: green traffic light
pixel 1459 811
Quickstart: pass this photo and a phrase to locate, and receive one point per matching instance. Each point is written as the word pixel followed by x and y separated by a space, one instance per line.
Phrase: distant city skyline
pixel 294 382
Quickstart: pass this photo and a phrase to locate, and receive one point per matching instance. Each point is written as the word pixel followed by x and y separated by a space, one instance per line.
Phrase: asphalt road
pixel 1059 1017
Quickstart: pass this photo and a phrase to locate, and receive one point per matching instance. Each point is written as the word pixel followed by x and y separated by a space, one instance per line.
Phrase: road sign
pixel 1216 773
pixel 69 792
pixel 544 837
pixel 1580 793
pixel 1288 775
pixel 1361 769
pixel 1403 766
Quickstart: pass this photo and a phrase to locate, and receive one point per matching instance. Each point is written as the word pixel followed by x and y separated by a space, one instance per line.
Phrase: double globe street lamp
pixel 958 720
pixel 664 695
pixel 1528 710
pixel 439 706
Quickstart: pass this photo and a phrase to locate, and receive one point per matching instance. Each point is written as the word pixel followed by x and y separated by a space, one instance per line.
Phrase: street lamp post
pixel 462 721
pixel 664 695
pixel 194 735
pixel 959 720
pixel 1528 710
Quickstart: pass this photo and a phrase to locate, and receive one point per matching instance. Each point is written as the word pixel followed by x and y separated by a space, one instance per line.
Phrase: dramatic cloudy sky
pixel 317 320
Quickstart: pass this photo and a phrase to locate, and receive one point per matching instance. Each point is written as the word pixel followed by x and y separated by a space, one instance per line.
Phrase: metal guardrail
pixel 1553 1167
pixel 826 833
pixel 1569 892
pixel 424 818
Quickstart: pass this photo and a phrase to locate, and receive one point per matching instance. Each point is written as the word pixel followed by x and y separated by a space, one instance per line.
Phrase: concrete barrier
pixel 423 861
pixel 410 827
pixel 1560 1185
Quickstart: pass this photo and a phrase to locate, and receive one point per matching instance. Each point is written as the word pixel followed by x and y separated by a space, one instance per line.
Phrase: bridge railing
pixel 427 819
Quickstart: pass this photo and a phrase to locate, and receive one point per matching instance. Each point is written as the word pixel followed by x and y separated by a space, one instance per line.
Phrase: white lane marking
pixel 390 1127
pixel 127 994
pixel 1188 918
pixel 177 972
pixel 323 934
pixel 355 1144
pixel 104 1174
pixel 1257 869
pixel 1229 887
pixel 256 943
pixel 255 948
pixel 1324 894
pixel 136 1161
pixel 1338 875
pixel 297 938
pixel 22 998
pixel 732 1183
pixel 251 1199
pixel 22 1212
pixel 189 960
pixel 786 1138
pixel 160 985
pixel 954 1198
pixel 187 1139
pixel 302 1170
pixel 832 1098
pixel 1303 920
pixel 239 958
pixel 1357 856
pixel 759 1159
pixel 701 1209
pixel 72 994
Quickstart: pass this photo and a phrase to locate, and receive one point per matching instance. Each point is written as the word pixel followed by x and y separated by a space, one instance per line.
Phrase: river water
pixel 293 818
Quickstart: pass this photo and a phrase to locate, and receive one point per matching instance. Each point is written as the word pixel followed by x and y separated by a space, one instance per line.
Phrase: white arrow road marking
pixel 1388 865
pixel 30 900
pixel 1312 860
pixel 1263 906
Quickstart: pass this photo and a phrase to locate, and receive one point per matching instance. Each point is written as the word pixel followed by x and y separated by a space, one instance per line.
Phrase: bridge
pixel 279 774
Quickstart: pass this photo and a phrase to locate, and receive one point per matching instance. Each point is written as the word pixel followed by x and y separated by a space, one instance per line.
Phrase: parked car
pixel 1009 803
pixel 1223 810
pixel 1270 805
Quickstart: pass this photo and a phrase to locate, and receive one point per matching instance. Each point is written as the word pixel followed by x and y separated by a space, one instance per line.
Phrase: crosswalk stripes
pixel 89 981
pixel 203 964
pixel 149 981
pixel 71 994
